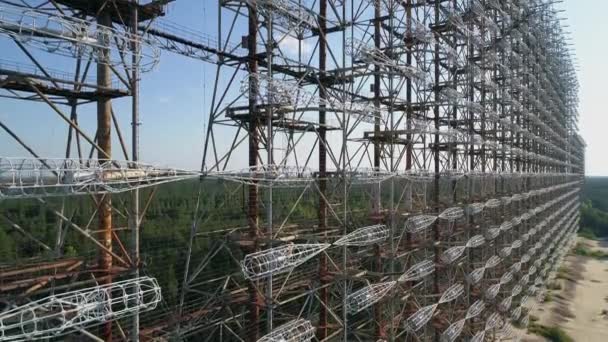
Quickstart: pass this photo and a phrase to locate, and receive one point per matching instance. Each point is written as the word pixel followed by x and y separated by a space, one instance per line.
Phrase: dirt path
pixel 578 299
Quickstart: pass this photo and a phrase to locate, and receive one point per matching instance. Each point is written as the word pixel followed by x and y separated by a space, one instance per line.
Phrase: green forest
pixel 29 228
pixel 166 227
pixel 594 211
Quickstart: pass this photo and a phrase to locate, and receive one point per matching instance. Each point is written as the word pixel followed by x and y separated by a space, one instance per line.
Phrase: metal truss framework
pixel 413 166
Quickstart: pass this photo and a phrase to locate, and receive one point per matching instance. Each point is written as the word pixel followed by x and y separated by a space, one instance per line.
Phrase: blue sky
pixel 174 100
pixel 176 94
pixel 587 22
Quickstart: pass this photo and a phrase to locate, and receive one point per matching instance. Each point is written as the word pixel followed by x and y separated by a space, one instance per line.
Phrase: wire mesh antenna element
pixel 516 267
pixel 452 293
pixel 505 252
pixel 506 278
pixel 268 175
pixel 479 336
pixel 421 317
pixel 419 126
pixel 365 236
pixel 290 94
pixel 475 309
pixel 516 244
pixel 516 290
pixel 506 226
pixel 476 275
pixel 525 321
pixel 279 259
pixel 372 55
pixel 506 331
pixel 476 241
pixel 452 254
pixel 531 270
pixel 492 291
pixel 505 304
pixel 368 175
pixel 493 203
pixel 492 321
pixel 516 220
pixel 272 91
pixel 493 261
pixel 419 223
pixel 55 315
pixel 452 214
pixel 475 208
pixel 451 96
pixel 33 177
pixel 516 313
pixel 453 331
pixel 418 271
pixel 286 14
pixel 491 233
pixel 367 296
pixel 299 330
pixel 74 37
pixel 421 176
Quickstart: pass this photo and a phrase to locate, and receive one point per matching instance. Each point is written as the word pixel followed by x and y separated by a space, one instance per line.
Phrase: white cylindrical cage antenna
pixel 74 37
pixel 418 271
pixel 279 259
pixel 57 314
pixel 367 296
pixel 299 330
pixel 33 177
pixel 365 236
pixel 280 176
pixel 418 223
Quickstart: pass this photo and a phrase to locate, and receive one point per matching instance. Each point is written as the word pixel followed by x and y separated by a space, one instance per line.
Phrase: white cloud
pixel 290 45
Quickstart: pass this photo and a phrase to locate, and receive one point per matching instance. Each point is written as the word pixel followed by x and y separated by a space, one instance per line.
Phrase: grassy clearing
pixel 587 234
pixel 560 296
pixel 553 334
pixel 583 250
pixel 555 286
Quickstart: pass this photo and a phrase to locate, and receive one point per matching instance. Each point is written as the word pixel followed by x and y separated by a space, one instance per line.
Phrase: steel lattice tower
pixel 413 171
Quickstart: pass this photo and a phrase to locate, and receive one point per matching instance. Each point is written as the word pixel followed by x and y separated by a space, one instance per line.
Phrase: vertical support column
pixel 135 220
pixel 436 162
pixel 322 330
pixel 436 152
pixel 470 128
pixel 270 161
pixel 252 209
pixel 408 86
pixel 387 322
pixel 377 42
pixel 409 43
pixel 344 163
pixel 379 327
pixel 104 140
